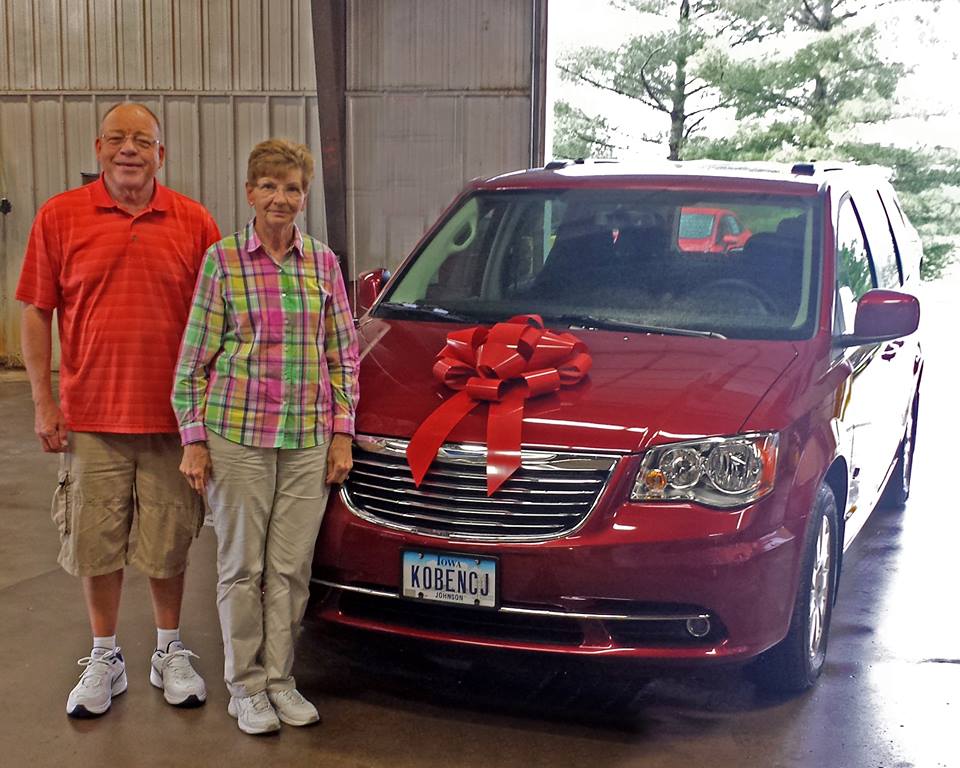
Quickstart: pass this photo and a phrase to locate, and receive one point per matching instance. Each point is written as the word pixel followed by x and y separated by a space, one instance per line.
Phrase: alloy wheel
pixel 820 592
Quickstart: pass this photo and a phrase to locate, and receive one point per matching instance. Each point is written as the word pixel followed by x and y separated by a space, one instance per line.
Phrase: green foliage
pixel 853 272
pixel 801 105
pixel 576 134
pixel 643 68
pixel 814 84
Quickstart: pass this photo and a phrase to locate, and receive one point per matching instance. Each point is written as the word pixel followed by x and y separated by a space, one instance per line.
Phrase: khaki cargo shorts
pixel 120 500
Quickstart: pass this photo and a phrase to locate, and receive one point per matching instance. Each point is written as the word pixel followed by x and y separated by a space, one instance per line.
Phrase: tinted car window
pixel 879 239
pixel 696 225
pixel 614 255
pixel 907 246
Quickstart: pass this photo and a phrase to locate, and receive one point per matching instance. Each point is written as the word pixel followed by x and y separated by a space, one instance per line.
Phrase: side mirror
pixel 367 287
pixel 881 316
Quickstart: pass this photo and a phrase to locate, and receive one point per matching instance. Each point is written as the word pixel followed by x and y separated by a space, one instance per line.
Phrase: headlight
pixel 718 471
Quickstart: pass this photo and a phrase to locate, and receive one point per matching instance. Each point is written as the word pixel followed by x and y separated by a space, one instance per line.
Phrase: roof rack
pixel 554 165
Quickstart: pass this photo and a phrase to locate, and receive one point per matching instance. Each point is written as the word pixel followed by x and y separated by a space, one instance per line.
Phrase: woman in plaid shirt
pixel 265 394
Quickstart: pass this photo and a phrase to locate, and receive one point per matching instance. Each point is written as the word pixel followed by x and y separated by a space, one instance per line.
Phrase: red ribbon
pixel 503 366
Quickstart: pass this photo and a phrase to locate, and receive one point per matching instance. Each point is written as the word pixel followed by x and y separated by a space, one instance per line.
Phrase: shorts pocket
pixel 60 509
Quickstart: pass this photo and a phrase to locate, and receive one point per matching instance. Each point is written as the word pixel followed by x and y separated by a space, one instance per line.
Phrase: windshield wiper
pixel 433 311
pixel 612 324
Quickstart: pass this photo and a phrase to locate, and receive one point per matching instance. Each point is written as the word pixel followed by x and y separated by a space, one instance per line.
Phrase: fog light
pixel 698 627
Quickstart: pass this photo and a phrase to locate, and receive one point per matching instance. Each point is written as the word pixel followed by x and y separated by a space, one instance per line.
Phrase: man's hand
pixel 50 426
pixel 196 466
pixel 339 458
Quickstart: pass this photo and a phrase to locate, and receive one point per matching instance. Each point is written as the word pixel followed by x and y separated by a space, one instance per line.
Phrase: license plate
pixel 441 577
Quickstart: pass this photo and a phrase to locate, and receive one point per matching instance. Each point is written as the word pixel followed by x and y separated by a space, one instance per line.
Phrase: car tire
pixel 897 490
pixel 795 663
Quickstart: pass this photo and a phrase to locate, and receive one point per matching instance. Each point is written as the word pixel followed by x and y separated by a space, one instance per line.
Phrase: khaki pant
pixel 267 506
pixel 121 499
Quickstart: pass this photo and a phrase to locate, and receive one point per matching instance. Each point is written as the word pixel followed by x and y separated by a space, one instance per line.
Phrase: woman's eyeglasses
pixel 290 191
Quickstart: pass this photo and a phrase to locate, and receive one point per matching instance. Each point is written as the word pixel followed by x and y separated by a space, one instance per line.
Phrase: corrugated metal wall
pixel 221 74
pixel 438 92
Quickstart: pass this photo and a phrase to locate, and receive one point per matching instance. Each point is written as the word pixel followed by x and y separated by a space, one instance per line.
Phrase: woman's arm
pixel 343 362
pixel 202 340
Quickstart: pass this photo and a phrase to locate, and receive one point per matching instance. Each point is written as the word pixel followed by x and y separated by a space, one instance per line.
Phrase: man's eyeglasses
pixel 290 191
pixel 140 140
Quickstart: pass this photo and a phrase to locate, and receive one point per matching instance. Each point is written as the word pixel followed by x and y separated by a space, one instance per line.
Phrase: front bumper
pixel 628 584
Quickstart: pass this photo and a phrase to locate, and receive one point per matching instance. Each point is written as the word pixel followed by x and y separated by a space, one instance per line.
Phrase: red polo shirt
pixel 121 285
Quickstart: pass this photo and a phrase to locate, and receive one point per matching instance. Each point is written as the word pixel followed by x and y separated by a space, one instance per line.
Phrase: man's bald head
pixel 132 107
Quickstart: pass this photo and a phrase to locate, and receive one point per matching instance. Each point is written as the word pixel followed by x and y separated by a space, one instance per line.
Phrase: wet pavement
pixel 888 697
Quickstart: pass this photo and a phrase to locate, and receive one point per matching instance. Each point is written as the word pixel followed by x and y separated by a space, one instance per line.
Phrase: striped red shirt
pixel 121 285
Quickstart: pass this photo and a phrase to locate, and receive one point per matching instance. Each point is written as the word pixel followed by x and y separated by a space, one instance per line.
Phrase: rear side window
pixel 879 239
pixel 909 250
pixel 854 272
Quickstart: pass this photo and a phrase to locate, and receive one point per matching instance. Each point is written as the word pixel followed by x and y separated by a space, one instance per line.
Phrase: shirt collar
pixel 101 196
pixel 253 242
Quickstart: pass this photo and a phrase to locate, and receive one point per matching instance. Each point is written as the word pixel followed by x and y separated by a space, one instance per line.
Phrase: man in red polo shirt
pixel 118 259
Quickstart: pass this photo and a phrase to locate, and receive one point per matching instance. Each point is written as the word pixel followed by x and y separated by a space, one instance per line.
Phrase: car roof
pixel 757 176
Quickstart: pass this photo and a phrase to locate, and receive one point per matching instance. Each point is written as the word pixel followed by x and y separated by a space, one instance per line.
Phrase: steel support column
pixel 330 51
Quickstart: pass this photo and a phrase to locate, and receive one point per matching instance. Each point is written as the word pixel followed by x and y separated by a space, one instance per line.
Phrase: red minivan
pixel 577 437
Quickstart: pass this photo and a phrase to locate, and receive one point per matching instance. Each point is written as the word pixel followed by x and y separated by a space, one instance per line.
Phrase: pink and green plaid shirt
pixel 269 355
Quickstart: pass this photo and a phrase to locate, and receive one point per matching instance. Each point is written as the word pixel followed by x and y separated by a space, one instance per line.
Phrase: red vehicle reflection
pixel 711 230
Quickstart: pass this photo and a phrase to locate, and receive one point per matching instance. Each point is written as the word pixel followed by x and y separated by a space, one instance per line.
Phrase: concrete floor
pixel 888 697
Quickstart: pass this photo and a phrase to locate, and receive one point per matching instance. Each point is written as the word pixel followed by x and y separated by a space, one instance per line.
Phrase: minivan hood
pixel 642 388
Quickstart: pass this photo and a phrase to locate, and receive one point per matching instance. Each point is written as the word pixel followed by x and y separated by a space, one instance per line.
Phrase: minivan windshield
pixel 600 258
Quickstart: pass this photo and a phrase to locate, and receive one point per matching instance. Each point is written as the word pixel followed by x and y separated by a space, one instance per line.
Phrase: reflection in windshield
pixel 695 225
pixel 614 255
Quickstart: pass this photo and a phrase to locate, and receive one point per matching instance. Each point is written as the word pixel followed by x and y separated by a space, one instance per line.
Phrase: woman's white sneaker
pixel 104 676
pixel 254 714
pixel 172 672
pixel 292 708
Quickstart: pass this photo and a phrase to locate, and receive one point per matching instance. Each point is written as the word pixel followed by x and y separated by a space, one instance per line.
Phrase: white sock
pixel 165 637
pixel 105 643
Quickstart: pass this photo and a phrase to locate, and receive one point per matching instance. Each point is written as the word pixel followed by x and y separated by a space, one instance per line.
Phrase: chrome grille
pixel 550 495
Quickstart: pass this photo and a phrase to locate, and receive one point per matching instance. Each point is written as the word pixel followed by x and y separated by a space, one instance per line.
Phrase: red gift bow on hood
pixel 502 366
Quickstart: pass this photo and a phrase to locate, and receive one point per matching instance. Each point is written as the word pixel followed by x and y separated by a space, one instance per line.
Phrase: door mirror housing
pixel 368 287
pixel 882 315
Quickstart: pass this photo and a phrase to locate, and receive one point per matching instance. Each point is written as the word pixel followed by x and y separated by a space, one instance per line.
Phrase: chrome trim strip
pixel 365 488
pixel 359 590
pixel 534 611
pixel 475 455
pixel 361 470
pixel 450 520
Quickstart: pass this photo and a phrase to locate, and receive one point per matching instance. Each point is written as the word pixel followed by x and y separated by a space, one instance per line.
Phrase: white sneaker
pixel 254 714
pixel 292 708
pixel 172 671
pixel 104 676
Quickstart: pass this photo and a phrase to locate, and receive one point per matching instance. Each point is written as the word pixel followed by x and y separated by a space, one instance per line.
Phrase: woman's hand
pixel 339 458
pixel 196 466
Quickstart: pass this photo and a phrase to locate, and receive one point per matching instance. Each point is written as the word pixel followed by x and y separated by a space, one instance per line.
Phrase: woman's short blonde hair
pixel 277 157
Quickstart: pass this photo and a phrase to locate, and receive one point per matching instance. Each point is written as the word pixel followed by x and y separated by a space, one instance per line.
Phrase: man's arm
pixel 36 340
